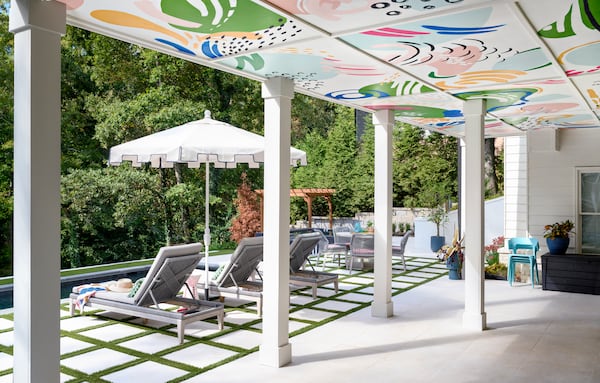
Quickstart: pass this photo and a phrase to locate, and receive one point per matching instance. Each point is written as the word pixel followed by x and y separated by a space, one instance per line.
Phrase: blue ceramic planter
pixel 436 242
pixel 557 246
pixel 454 267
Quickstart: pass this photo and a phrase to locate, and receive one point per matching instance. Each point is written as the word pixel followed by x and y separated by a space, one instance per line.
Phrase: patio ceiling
pixel 536 62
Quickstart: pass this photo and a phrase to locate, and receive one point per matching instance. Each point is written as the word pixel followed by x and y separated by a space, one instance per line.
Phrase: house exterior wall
pixel 515 187
pixel 553 158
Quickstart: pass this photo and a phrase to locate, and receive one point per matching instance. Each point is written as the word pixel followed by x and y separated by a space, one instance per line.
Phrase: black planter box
pixel 575 273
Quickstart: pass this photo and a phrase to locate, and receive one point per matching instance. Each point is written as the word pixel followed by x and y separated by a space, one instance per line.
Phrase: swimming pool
pixel 67 283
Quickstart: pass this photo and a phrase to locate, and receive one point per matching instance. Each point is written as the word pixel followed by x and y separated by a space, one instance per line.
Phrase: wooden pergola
pixel 308 194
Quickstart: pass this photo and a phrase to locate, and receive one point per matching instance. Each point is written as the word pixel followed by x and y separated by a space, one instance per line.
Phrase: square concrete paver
pixel 6 324
pixel 68 345
pixel 324 292
pixel 358 280
pixel 241 338
pixel 401 285
pixel 6 361
pixel 79 322
pixel 342 286
pixel 356 297
pixel 367 290
pixel 200 355
pixel 336 305
pixel 147 372
pixel 7 338
pixel 312 315
pixel 408 278
pixel 293 325
pixel 199 329
pixel 300 300
pixel 151 343
pixel 98 360
pixel 421 274
pixel 240 317
pixel 112 332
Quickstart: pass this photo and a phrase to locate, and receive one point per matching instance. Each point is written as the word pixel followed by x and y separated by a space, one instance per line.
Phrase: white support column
pixel 275 350
pixel 382 306
pixel 474 316
pixel 37 26
pixel 463 187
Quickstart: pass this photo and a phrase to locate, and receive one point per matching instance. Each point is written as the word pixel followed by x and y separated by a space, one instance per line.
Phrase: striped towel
pixel 85 293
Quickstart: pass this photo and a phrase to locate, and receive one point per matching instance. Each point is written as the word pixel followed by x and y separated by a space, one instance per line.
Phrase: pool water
pixel 67 283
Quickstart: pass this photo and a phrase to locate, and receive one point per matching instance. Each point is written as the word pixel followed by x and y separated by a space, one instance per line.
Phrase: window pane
pixel 590 192
pixel 590 234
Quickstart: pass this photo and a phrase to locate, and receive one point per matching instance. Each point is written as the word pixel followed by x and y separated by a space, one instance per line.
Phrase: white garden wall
pixel 494 225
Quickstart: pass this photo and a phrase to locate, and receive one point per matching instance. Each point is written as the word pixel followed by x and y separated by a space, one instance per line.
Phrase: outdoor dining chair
pixel 341 243
pixel 362 247
pixel 523 250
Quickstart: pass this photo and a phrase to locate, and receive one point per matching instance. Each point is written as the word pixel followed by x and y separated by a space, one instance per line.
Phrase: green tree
pixel 363 174
pixel 110 215
pixel 6 141
pixel 425 168
pixel 339 161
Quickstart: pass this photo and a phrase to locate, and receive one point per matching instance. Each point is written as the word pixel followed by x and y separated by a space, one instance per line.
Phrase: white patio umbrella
pixel 203 141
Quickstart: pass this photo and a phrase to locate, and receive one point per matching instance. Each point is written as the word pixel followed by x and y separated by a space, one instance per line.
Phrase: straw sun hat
pixel 123 285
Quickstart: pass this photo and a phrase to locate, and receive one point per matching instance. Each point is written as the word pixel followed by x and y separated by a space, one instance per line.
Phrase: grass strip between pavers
pixel 189 371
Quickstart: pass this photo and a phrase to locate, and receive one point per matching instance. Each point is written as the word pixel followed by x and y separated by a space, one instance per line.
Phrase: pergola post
pixel 275 349
pixel 474 316
pixel 37 26
pixel 382 306
pixel 308 200
pixel 330 207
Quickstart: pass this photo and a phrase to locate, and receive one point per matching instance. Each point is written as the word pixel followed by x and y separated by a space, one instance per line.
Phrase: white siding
pixel 515 186
pixel 552 175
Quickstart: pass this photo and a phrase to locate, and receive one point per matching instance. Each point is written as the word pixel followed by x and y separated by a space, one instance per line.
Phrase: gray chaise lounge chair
pixel 167 275
pixel 300 249
pixel 235 279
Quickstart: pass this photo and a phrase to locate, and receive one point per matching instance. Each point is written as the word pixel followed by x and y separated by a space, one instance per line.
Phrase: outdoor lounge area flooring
pixel 534 335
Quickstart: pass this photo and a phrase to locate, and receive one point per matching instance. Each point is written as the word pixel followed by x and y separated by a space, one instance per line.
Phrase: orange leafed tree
pixel 247 221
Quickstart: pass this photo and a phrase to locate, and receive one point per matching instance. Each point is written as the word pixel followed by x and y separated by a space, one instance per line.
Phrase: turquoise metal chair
pixel 532 246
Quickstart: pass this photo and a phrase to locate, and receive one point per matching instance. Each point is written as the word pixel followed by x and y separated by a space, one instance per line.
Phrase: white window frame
pixel 578 212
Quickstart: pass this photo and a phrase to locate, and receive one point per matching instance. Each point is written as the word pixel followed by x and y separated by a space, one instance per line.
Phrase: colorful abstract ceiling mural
pixel 537 62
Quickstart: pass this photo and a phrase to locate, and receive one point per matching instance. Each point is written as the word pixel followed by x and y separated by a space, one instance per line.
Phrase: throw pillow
pixel 136 287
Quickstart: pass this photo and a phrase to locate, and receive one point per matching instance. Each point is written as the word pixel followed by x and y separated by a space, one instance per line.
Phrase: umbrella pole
pixel 206 230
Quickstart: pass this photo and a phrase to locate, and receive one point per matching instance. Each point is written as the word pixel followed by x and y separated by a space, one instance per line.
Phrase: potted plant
pixel 439 217
pixel 453 255
pixel 557 236
pixel 494 269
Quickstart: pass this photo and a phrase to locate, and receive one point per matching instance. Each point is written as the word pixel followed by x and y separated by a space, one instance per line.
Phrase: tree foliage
pixel 425 168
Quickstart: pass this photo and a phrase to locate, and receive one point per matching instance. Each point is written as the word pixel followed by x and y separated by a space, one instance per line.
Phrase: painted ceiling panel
pixel 536 104
pixel 339 16
pixel 570 28
pixel 329 69
pixel 202 29
pixel 460 50
pixel 536 62
pixel 589 86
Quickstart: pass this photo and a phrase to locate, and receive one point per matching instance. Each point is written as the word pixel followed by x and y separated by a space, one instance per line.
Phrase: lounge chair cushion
pixel 136 287
pixel 218 272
